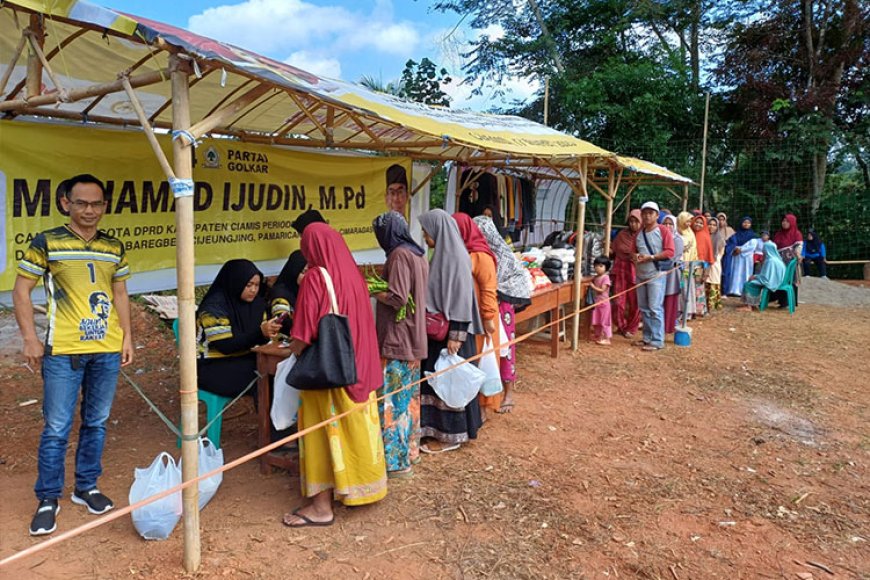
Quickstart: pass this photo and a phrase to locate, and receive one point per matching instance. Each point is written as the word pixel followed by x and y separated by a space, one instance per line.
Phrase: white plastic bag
pixel 156 520
pixel 285 403
pixel 503 340
pixel 490 368
pixel 459 386
pixel 210 458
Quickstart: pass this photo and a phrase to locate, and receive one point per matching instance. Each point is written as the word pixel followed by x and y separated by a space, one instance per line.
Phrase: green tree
pixel 422 83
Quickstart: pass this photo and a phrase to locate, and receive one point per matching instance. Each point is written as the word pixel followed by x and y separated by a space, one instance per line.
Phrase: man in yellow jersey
pixel 88 340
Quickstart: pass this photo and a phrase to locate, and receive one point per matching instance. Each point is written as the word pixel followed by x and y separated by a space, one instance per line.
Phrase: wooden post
pixel 546 100
pixel 608 224
pixel 34 64
pixel 685 197
pixel 704 153
pixel 183 157
pixel 578 255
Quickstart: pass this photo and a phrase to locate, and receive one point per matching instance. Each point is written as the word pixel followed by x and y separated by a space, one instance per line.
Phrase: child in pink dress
pixel 601 322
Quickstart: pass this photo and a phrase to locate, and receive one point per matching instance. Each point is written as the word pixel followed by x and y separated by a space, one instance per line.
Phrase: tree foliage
pixel 422 83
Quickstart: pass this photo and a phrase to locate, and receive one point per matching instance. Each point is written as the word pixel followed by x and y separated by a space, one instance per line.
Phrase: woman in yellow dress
pixel 344 460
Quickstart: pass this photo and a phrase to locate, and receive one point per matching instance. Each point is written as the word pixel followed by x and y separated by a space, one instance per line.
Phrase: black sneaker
pixel 96 502
pixel 45 519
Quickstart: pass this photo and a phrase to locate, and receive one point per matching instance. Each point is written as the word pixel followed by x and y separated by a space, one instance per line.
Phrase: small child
pixel 602 329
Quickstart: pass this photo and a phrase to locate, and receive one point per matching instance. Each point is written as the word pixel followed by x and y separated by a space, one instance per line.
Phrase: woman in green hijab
pixel 771 276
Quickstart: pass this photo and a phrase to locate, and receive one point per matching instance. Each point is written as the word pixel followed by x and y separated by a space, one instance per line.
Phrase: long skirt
pixel 399 411
pixel 508 364
pixel 700 293
pixel 447 424
pixel 714 297
pixel 346 456
pixel 672 312
pixel 752 293
pixel 627 312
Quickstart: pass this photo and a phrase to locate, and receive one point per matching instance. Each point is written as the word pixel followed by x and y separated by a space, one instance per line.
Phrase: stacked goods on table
pixel 559 265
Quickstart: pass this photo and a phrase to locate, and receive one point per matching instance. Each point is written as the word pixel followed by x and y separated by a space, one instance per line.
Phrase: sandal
pixel 639 343
pixel 651 348
pixel 505 408
pixel 306 521
pixel 401 474
pixel 426 449
pixel 603 342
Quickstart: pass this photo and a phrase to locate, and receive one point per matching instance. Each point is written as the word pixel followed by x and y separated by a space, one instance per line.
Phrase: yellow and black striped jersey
pixel 78 277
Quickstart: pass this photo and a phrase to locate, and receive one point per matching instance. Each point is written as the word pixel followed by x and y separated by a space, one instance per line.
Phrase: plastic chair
pixel 786 287
pixel 214 405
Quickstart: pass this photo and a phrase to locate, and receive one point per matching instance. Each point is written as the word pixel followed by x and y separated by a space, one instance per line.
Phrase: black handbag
pixel 329 362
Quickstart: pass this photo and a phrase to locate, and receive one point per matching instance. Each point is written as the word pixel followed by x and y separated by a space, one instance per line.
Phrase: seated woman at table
pixel 345 459
pixel 771 277
pixel 230 321
pixel 282 295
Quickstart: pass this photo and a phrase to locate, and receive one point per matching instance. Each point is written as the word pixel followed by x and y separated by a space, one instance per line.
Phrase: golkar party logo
pixel 95 328
pixel 212 159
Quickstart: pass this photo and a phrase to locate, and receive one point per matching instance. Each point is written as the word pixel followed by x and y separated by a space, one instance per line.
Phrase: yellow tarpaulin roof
pixel 647 168
pixel 87 45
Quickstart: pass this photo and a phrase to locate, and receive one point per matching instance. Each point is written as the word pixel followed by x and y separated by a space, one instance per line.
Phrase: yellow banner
pixel 245 198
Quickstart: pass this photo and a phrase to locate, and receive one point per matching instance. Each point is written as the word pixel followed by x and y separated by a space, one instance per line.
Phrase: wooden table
pixel 551 299
pixel 268 357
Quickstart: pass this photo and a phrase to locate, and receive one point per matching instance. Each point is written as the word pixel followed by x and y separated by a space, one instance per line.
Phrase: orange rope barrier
pixel 115 514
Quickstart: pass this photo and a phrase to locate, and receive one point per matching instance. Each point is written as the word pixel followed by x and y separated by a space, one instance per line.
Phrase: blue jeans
pixel 651 302
pixel 96 375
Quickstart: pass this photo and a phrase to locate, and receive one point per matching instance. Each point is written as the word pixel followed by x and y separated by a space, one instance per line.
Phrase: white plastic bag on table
pixel 458 386
pixel 156 520
pixel 503 340
pixel 490 368
pixel 210 458
pixel 285 403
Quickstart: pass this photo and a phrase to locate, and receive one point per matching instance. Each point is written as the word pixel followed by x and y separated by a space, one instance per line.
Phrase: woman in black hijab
pixel 282 297
pixel 230 321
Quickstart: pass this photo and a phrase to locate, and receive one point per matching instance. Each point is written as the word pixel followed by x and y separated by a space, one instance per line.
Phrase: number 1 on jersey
pixel 93 272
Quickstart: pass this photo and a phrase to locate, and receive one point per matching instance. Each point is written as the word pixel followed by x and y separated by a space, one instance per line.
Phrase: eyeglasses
pixel 81 205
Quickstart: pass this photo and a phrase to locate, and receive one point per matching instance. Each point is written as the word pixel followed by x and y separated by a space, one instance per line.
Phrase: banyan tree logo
pixel 212 158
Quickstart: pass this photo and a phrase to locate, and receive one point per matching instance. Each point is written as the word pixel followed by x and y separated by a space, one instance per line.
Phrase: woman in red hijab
pixel 790 242
pixel 344 460
pixel 484 271
pixel 622 272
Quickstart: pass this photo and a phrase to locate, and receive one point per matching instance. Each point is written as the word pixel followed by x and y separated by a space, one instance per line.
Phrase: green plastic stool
pixel 214 404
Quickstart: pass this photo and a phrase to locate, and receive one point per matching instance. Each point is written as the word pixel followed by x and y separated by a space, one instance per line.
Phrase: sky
pixel 345 39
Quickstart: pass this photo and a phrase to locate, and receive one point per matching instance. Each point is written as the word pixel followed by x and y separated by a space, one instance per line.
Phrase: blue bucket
pixel 683 336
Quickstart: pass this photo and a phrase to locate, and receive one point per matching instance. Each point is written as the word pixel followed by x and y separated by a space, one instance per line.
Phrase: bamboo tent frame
pixel 107 68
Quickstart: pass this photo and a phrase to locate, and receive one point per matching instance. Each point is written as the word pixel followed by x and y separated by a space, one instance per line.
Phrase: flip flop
pixel 651 348
pixel 403 474
pixel 425 449
pixel 306 522
pixel 639 343
pixel 505 408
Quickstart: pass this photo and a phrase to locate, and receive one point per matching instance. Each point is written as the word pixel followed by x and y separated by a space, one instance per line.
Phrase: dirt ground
pixel 743 456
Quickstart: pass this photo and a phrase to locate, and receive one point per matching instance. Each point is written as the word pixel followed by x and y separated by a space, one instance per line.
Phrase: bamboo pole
pixel 34 64
pixel 183 158
pixel 83 93
pixel 11 66
pixel 149 132
pixel 546 100
pixel 37 48
pixel 608 224
pixel 226 112
pixel 578 254
pixel 685 197
pixel 704 153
